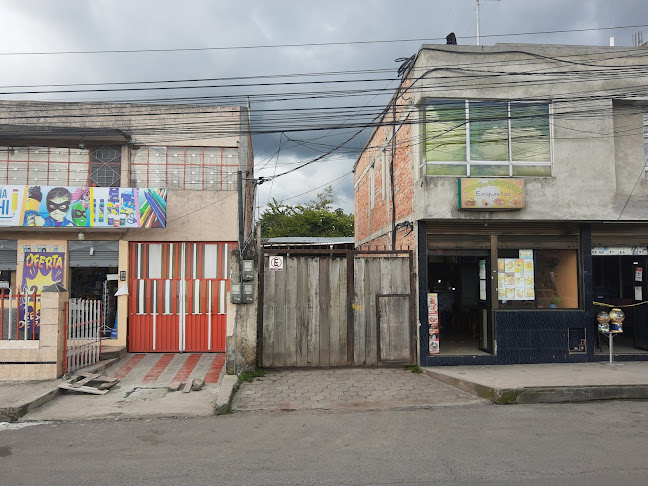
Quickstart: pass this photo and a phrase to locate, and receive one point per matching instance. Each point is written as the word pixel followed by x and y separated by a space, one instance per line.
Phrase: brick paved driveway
pixel 347 389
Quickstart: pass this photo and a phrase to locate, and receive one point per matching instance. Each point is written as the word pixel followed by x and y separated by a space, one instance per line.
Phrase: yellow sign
pixel 491 194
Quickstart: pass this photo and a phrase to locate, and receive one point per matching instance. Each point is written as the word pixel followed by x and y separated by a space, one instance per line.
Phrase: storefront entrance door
pixel 485 315
pixel 620 279
pixel 177 297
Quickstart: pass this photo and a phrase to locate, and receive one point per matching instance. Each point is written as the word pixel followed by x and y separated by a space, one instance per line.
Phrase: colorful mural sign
pixel 491 194
pixel 40 269
pixel 98 207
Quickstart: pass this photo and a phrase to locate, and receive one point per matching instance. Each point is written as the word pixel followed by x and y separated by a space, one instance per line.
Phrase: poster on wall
pixel 515 279
pixel 102 207
pixel 433 322
pixel 40 269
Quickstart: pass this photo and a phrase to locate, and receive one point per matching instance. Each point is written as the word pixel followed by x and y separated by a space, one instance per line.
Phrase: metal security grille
pixel 105 166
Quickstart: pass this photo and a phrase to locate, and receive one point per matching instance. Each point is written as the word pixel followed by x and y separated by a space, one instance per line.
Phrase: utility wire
pixel 307 44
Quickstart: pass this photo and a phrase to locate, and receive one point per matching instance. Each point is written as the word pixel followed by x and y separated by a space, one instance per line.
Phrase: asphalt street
pixel 587 443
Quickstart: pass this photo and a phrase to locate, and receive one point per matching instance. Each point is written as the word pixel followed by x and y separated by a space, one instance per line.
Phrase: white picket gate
pixel 83 334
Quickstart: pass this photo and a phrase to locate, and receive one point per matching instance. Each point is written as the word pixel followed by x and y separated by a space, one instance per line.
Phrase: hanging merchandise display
pixel 433 322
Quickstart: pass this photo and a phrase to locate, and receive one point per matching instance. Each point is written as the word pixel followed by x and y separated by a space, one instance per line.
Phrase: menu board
pixel 515 279
pixel 433 322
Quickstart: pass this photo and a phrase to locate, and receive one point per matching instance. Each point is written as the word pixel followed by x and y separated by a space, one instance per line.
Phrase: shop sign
pixel 97 207
pixel 491 194
pixel 619 250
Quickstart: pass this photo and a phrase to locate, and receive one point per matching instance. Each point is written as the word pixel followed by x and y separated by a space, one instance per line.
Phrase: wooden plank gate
pixel 337 308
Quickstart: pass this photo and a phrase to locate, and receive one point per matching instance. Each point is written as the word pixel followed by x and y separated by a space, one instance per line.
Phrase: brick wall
pixel 373 225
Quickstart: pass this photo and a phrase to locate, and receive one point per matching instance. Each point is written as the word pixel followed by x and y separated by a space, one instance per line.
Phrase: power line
pixel 307 44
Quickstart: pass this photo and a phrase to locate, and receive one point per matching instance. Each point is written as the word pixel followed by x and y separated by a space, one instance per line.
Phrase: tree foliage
pixel 315 218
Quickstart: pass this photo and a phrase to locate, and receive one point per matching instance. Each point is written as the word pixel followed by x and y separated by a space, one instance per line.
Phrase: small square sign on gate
pixel 276 263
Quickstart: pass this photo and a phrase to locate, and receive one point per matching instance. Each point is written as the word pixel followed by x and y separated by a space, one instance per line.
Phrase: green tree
pixel 315 218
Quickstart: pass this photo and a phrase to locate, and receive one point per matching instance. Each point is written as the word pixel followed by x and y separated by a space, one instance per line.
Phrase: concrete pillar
pixel 52 332
pixel 241 343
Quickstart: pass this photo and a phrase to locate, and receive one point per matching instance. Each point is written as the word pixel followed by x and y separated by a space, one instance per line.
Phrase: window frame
pixel 469 163
pixel 176 161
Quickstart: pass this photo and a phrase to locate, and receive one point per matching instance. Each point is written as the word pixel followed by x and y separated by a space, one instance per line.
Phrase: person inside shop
pixel 58 205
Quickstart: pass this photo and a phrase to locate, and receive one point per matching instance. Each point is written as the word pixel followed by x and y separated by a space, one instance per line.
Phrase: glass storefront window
pixel 549 279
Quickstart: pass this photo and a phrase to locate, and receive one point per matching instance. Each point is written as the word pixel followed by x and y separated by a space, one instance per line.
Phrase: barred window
pixel 195 168
pixel 46 166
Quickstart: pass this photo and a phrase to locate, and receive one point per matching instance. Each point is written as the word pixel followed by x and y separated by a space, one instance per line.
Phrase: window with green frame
pixel 486 139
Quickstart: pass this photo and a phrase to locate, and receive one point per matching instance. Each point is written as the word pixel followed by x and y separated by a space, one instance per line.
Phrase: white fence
pixel 83 334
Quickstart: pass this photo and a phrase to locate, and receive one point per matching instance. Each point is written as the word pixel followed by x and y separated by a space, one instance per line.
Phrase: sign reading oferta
pixel 491 194
pixel 101 207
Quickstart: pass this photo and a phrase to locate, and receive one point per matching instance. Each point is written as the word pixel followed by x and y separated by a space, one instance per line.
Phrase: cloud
pixel 67 25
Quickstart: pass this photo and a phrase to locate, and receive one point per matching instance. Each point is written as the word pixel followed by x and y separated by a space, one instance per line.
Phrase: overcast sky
pixel 48 26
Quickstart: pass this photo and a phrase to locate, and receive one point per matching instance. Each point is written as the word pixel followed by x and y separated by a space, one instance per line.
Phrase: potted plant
pixel 555 302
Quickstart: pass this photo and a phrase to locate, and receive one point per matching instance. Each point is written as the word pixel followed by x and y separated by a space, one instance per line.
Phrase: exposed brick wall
pixel 373 225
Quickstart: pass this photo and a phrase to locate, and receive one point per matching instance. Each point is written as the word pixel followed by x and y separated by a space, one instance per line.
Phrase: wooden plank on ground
pixel 83 389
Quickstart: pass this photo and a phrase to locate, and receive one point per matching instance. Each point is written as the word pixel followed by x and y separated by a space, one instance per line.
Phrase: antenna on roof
pixel 477 2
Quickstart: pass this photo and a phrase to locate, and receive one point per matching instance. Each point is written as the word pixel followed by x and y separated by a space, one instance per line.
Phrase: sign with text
pixel 98 207
pixel 40 269
pixel 491 194
pixel 276 263
pixel 619 250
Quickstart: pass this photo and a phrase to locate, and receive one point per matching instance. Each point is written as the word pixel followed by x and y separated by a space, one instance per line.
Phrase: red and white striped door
pixel 177 297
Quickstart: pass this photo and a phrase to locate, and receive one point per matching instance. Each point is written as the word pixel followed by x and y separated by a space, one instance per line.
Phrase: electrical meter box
pixel 235 293
pixel 248 293
pixel 247 270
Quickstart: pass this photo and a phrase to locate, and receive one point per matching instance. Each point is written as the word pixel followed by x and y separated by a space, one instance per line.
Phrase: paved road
pixel 593 443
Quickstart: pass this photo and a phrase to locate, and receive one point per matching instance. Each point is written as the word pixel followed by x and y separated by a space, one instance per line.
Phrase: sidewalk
pixel 144 389
pixel 549 383
pixel 346 389
pixel 148 387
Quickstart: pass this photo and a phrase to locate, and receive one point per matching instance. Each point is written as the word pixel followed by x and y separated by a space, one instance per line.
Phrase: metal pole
pixel 611 338
pixel 477 22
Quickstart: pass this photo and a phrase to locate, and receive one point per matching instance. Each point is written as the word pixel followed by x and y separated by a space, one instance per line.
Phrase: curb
pixel 545 394
pixel 12 414
pixel 225 395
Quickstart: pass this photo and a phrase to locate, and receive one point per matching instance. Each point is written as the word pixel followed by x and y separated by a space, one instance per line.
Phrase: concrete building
pixel 518 175
pixel 141 200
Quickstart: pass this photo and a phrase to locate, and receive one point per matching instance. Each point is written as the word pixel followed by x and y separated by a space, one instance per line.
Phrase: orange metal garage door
pixel 177 298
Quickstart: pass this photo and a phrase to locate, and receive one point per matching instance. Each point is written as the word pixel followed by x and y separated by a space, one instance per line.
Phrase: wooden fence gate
pixel 345 308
